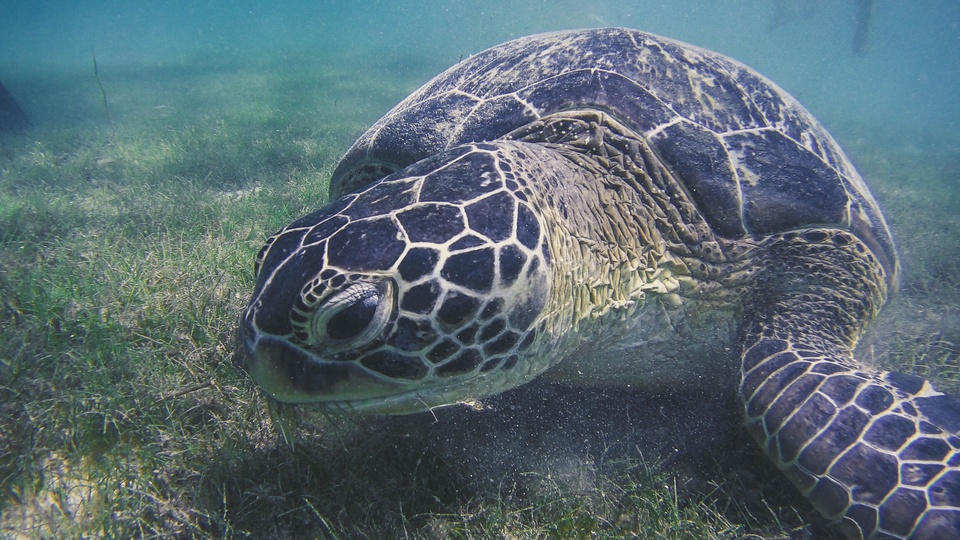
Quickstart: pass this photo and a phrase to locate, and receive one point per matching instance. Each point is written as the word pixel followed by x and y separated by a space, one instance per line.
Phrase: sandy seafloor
pixel 893 108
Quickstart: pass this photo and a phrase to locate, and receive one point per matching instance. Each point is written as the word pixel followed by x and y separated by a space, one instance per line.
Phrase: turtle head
pixel 424 289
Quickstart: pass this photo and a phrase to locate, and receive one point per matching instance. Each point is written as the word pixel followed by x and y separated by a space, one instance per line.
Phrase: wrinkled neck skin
pixel 629 254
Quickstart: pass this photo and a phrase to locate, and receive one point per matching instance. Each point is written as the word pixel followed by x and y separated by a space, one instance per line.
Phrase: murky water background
pixel 906 72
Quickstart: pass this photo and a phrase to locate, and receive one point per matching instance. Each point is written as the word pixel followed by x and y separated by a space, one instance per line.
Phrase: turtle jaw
pixel 289 374
pixel 409 402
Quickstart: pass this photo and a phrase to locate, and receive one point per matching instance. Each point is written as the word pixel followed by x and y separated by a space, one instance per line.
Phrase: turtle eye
pixel 351 317
pixel 350 321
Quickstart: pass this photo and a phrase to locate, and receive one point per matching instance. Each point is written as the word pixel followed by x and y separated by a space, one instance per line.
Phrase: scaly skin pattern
pixel 626 209
pixel 880 452
pixel 462 269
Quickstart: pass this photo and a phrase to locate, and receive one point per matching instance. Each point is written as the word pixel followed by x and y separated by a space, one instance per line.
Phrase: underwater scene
pixel 150 150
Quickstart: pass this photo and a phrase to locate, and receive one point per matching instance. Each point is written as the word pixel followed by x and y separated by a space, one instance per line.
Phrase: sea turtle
pixel 612 207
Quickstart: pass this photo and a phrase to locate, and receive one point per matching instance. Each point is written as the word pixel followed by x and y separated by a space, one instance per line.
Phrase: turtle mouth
pixel 289 374
pixel 409 402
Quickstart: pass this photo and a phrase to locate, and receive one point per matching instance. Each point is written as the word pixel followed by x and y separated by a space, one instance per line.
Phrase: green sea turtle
pixel 612 207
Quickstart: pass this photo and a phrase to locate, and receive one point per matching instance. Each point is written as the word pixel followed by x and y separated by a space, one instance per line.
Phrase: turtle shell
pixel 753 160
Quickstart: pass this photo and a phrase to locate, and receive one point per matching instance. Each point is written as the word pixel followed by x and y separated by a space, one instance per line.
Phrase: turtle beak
pixel 251 355
pixel 243 356
pixel 290 374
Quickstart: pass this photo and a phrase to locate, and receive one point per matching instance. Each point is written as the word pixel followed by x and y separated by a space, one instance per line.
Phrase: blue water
pixel 908 81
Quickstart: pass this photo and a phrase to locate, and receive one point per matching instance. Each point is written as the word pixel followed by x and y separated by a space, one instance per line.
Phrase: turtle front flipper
pixel 878 452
